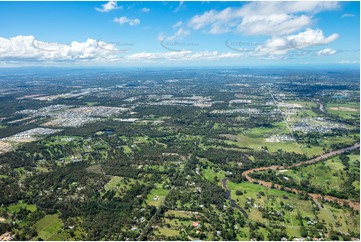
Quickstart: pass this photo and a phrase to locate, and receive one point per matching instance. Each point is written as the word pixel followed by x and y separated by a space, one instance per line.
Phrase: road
pixel 153 218
pixel 284 118
pixel 354 205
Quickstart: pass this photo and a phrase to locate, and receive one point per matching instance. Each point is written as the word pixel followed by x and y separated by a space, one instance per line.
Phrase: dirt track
pixel 354 205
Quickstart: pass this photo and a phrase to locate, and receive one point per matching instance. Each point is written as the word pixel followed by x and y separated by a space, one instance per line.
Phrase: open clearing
pixel 48 227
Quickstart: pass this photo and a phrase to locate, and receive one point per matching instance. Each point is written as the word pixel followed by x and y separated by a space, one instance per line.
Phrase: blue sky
pixel 179 33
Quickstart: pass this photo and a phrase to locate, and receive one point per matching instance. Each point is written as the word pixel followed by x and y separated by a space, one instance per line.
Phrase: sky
pixel 261 33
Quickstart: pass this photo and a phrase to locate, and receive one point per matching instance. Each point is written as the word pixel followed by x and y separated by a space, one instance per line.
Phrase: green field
pixel 49 228
pixel 168 232
pixel 127 150
pixel 344 110
pixel 273 198
pixel 256 138
pixel 179 214
pixel 156 196
pixel 327 175
pixel 119 184
pixel 16 207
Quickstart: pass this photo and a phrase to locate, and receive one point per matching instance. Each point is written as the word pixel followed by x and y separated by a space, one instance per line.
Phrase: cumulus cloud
pixel 279 24
pixel 282 45
pixel 145 10
pixel 27 49
pixel 326 51
pixel 261 18
pixel 111 5
pixel 123 20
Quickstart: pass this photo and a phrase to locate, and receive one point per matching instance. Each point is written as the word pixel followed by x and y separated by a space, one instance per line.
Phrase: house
pixel 196 224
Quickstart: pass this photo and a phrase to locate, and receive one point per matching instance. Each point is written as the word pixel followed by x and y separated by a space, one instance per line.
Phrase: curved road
pixel 354 205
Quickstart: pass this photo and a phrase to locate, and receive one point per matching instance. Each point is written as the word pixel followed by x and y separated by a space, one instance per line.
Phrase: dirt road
pixel 354 205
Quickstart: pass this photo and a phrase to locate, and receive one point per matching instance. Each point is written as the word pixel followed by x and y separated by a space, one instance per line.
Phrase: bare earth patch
pixel 344 109
pixel 4 147
pixel 6 237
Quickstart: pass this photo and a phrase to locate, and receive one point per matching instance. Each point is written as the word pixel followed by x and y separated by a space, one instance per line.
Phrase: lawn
pixel 209 174
pixel 127 150
pixel 16 207
pixel 176 223
pixel 157 196
pixel 168 232
pixel 48 227
pixel 294 231
pixel 114 183
pixel 120 184
pixel 344 217
pixel 95 169
pixel 179 214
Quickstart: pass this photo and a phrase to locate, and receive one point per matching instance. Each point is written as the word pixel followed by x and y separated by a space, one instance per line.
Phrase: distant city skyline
pixel 131 34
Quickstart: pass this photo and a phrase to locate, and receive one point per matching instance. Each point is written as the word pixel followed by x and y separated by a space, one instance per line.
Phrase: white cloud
pixel 261 18
pixel 178 24
pixel 123 20
pixel 111 5
pixel 310 37
pixel 183 55
pixel 179 7
pixel 279 24
pixel 347 15
pixel 282 45
pixel 326 51
pixel 28 49
pixel 179 34
pixel 268 8
pixel 145 10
